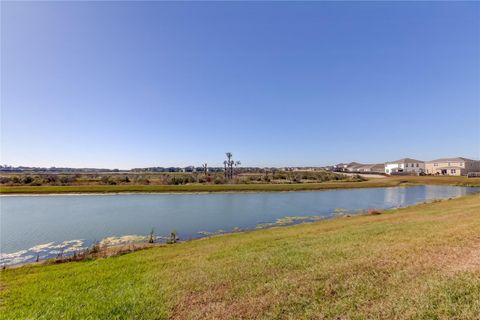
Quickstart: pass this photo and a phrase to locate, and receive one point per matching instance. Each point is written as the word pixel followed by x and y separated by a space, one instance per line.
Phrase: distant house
pixel 340 167
pixel 405 165
pixel 371 168
pixel 452 166
pixel 354 166
pixel 378 168
pixel 359 167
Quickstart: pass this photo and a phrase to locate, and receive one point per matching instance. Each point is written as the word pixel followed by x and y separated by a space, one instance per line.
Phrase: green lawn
pixel 421 262
pixel 377 182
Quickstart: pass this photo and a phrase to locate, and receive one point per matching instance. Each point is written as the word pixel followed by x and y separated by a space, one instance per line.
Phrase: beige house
pixel 452 166
pixel 373 168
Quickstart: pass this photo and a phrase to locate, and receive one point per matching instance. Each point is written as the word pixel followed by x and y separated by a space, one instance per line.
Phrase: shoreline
pixel 312 255
pixel 235 188
pixel 142 245
pixel 206 192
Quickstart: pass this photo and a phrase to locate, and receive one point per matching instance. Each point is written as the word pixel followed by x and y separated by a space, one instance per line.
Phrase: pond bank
pixel 46 227
pixel 200 188
pixel 364 266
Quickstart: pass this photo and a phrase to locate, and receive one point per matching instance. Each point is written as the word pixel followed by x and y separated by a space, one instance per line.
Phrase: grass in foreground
pixel 375 182
pixel 420 262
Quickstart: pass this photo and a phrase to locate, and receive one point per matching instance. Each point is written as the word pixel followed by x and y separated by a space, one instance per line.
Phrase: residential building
pixel 405 165
pixel 340 167
pixel 354 166
pixel 372 168
pixel 452 166
pixel 359 167
pixel 378 168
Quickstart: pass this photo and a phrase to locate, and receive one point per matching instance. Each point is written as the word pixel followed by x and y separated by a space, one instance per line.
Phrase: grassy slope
pixel 383 182
pixel 420 262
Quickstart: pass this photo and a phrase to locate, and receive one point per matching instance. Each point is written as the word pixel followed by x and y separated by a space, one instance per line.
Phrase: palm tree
pixel 229 165
pixel 237 163
pixel 225 166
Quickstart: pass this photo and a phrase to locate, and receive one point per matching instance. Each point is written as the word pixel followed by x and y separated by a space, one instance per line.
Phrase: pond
pixel 46 225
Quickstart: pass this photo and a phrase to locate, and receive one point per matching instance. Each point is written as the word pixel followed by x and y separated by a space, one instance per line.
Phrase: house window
pixel 453 171
pixel 417 165
pixel 435 164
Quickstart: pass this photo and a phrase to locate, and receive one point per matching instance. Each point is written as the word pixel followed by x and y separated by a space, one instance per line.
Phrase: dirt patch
pixel 218 303
pixel 468 260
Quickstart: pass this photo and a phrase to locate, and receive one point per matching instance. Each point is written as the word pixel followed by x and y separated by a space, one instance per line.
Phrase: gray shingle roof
pixel 458 159
pixel 406 160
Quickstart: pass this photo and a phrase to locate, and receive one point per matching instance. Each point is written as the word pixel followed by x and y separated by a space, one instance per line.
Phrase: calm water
pixel 32 225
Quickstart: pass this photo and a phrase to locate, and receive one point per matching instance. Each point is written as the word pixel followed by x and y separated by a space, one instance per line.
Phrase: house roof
pixel 363 166
pixel 406 160
pixel 458 159
pixel 368 166
pixel 355 164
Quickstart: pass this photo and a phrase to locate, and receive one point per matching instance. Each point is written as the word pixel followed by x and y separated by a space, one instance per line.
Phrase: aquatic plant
pixel 151 238
pixel 95 248
pixel 289 221
pixel 173 237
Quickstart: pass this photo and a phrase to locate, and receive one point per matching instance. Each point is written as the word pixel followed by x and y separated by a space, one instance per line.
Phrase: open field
pixel 421 262
pixel 375 182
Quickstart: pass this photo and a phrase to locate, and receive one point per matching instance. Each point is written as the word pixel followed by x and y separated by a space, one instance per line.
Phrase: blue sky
pixel 132 84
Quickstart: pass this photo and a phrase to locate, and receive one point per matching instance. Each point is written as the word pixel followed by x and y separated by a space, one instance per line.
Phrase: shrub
pixel 27 180
pixel 108 180
pixel 95 248
pixel 5 180
pixel 151 237
pixel 173 237
pixel 374 212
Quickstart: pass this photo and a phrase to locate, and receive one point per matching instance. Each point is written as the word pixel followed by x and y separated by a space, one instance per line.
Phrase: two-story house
pixel 452 166
pixel 405 165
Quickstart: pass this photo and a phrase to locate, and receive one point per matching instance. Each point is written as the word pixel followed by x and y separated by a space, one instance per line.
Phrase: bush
pixel 374 212
pixel 27 180
pixel 36 182
pixel 108 180
pixel 66 180
pixel 50 179
pixel 5 180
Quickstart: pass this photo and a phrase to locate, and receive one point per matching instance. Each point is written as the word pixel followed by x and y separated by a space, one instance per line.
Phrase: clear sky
pixel 134 84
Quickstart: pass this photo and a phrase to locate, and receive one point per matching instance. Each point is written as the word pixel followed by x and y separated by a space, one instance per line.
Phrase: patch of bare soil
pixel 467 261
pixel 462 258
pixel 217 303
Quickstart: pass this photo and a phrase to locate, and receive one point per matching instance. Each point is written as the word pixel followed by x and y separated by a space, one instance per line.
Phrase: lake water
pixel 44 225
